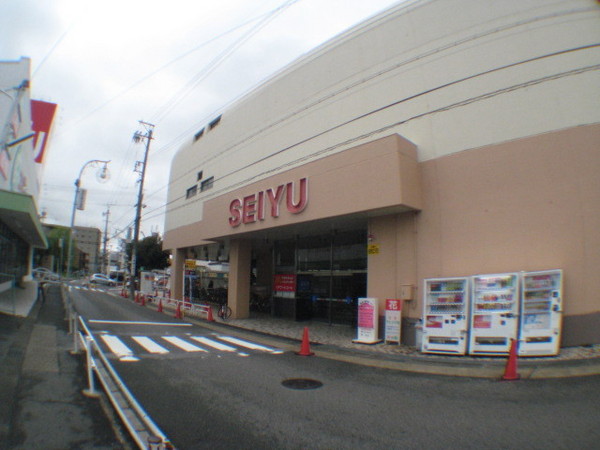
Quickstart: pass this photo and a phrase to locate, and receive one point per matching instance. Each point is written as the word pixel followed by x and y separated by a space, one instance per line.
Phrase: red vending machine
pixel 541 313
pixel 494 313
pixel 445 315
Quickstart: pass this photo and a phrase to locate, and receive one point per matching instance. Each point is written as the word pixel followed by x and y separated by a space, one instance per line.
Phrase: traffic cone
pixel 178 311
pixel 305 348
pixel 142 300
pixel 160 309
pixel 209 314
pixel 510 372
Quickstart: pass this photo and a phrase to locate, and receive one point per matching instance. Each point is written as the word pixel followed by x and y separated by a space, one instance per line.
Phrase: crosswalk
pixel 132 348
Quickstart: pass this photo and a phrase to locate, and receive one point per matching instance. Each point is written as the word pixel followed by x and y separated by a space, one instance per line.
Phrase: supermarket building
pixel 437 139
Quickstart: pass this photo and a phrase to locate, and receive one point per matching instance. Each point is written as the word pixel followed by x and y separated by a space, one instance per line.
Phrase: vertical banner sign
pixel 368 321
pixel 42 116
pixel 393 318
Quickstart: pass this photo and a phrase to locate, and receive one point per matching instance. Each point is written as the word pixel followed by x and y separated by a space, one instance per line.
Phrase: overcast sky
pixel 176 64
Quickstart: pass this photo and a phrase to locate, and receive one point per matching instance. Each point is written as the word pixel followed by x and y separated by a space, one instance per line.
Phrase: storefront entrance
pixel 320 277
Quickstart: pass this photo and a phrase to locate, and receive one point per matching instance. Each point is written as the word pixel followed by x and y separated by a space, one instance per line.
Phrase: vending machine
pixel 541 313
pixel 445 315
pixel 494 313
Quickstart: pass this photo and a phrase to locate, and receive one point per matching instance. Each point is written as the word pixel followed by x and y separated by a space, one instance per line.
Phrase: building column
pixel 177 273
pixel 392 266
pixel 238 296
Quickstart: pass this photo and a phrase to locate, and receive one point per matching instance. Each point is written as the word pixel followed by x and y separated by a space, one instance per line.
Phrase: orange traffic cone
pixel 160 309
pixel 305 348
pixel 209 314
pixel 178 311
pixel 510 372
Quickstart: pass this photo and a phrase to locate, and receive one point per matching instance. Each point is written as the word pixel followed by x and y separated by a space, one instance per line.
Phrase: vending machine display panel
pixel 446 302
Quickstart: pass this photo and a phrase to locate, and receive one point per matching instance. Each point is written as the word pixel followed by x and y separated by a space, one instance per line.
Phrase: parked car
pixel 44 274
pixel 100 278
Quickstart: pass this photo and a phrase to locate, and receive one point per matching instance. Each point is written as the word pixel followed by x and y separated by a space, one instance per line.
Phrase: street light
pixel 102 176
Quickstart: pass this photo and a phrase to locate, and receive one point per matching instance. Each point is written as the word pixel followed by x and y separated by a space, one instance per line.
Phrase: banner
pixel 368 321
pixel 42 116
pixel 393 317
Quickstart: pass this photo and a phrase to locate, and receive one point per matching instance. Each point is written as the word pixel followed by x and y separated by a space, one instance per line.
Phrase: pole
pixel 138 207
pixel 104 258
pixel 77 193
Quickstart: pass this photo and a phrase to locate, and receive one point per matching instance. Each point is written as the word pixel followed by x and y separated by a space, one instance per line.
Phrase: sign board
pixel 147 282
pixel 393 318
pixel 368 321
pixel 190 264
pixel 373 249
pixel 284 283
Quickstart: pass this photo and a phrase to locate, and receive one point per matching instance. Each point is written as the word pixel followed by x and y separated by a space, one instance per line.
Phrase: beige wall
pixel 530 204
pixel 376 176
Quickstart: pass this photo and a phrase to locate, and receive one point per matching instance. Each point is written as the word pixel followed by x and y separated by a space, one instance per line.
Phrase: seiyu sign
pixel 259 206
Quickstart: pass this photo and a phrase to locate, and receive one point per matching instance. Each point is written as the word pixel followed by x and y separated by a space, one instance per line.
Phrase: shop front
pixel 320 277
pixel 298 241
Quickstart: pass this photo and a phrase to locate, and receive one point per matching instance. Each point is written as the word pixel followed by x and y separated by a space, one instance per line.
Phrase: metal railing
pixel 141 427
pixel 180 307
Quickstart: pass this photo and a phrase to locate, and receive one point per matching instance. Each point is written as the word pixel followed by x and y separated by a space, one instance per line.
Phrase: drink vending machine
pixel 446 315
pixel 541 313
pixel 494 313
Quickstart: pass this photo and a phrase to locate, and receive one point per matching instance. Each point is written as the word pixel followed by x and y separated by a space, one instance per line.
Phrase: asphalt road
pixel 235 398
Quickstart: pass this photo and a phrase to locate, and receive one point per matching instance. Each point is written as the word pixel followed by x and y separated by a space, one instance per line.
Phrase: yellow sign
pixel 190 263
pixel 373 249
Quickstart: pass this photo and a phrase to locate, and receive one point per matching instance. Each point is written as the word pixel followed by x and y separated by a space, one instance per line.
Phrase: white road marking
pixel 164 324
pixel 250 345
pixel 178 342
pixel 117 347
pixel 214 344
pixel 149 344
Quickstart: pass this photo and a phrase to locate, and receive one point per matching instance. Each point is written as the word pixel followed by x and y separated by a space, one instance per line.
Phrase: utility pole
pixel 105 263
pixel 137 137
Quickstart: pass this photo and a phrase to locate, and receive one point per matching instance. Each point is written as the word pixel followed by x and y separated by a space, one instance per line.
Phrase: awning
pixel 19 213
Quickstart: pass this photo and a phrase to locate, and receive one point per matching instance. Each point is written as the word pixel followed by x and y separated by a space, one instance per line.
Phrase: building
pixel 87 241
pixel 437 139
pixel 24 127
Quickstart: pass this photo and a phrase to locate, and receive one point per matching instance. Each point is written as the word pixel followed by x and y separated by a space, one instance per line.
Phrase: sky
pixel 176 65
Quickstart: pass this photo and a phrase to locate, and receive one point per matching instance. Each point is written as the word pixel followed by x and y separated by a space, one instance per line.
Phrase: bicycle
pixel 224 311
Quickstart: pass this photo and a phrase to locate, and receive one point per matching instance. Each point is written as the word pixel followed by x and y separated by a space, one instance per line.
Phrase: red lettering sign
pixel 284 283
pixel 254 207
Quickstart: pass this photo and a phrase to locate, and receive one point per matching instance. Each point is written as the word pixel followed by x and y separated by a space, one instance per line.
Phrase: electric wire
pixel 216 62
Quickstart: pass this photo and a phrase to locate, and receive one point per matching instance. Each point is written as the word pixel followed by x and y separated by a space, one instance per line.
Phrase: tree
pixel 150 254
pixel 58 245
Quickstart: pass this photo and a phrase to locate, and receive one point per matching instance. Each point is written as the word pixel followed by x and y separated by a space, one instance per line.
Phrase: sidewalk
pixel 335 342
pixel 41 400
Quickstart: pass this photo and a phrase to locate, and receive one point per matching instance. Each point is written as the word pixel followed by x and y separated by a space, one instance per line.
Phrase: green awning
pixel 19 213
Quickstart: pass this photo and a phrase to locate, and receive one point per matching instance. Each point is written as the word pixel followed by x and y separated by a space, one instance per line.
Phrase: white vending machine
pixel 541 313
pixel 445 315
pixel 494 313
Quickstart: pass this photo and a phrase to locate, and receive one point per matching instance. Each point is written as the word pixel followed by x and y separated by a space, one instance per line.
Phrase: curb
pixel 528 370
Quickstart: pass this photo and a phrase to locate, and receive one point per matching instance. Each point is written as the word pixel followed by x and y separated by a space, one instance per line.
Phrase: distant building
pixel 87 241
pixel 24 128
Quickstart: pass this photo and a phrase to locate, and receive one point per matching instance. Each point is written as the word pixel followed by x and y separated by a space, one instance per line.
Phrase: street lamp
pixel 102 176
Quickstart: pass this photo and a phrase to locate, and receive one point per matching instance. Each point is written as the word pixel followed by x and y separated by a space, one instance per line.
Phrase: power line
pixel 217 61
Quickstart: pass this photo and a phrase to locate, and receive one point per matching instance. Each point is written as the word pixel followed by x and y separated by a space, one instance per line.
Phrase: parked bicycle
pixel 218 296
pixel 224 311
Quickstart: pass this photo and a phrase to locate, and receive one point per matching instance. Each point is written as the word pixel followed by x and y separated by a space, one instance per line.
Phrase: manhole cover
pixel 301 383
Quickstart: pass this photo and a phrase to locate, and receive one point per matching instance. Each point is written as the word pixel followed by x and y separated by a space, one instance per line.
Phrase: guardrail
pixel 139 424
pixel 181 307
